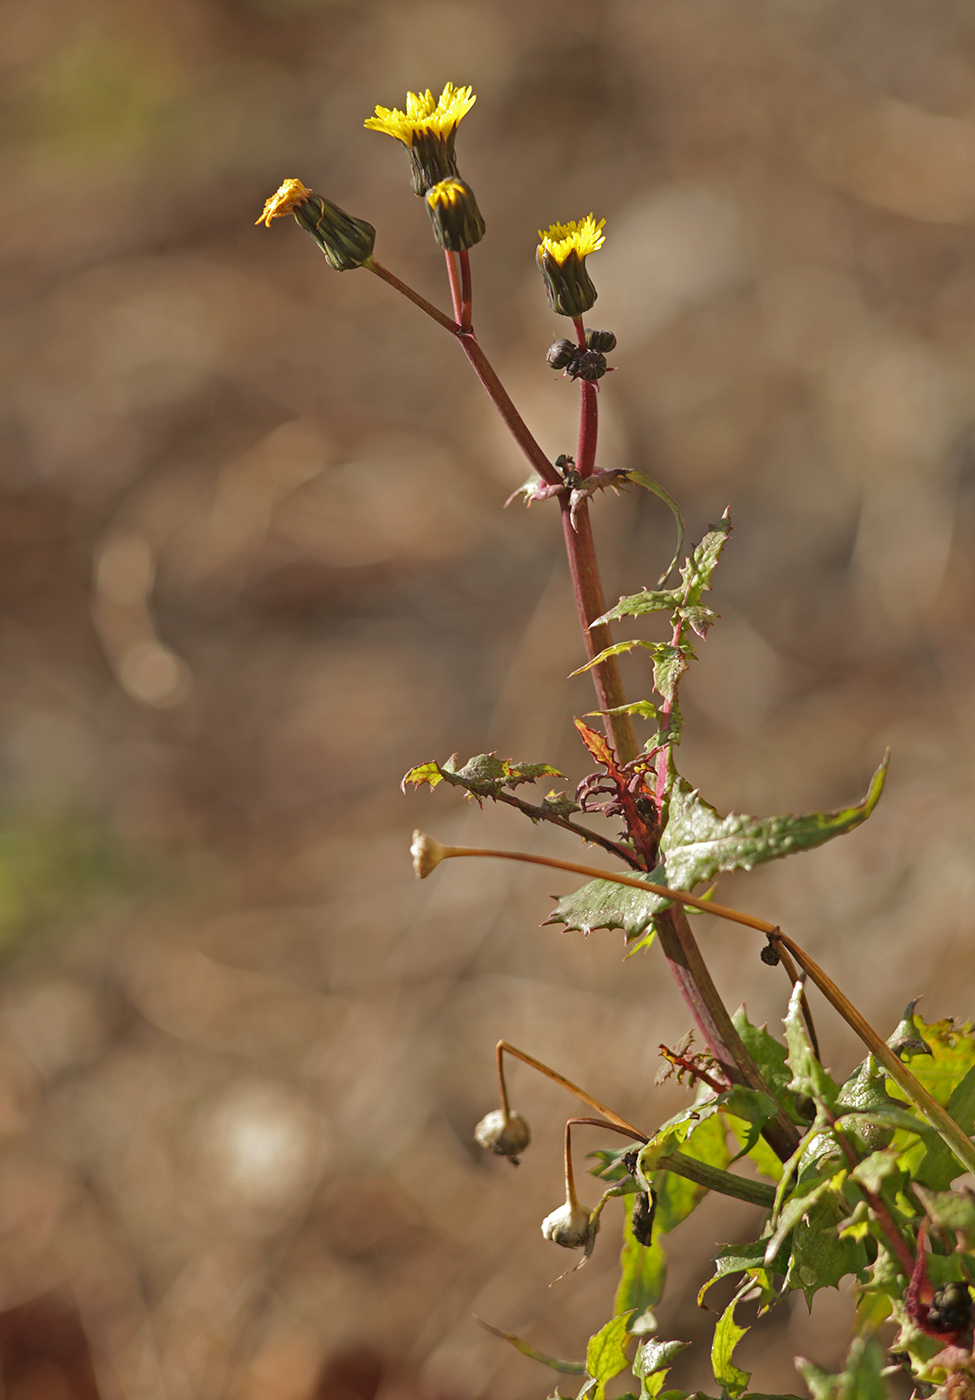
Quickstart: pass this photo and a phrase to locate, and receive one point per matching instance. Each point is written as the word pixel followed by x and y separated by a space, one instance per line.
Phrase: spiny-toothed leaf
pixel 595 743
pixel 646 709
pixel 617 649
pixel 952 1055
pixel 700 844
pixel 819 1258
pixel 861 1379
pixel 606 1354
pixel 651 1364
pixel 696 845
pixel 906 1039
pixel 559 804
pixel 486 775
pixel 643 1269
pixel 699 619
pixel 648 484
pixel 570 1368
pixel 808 1076
pixel 727 1335
pixel 696 573
pixel 423 773
pixel 669 664
pixel 652 600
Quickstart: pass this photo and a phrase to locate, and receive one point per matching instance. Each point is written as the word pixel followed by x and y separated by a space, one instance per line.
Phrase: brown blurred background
pixel 254 566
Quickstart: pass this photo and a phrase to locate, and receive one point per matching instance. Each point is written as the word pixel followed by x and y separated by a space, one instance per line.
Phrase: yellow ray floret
pixel 581 237
pixel 283 201
pixel 423 114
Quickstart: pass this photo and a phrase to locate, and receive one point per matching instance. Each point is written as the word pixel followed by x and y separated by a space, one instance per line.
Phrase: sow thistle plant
pixel 856 1178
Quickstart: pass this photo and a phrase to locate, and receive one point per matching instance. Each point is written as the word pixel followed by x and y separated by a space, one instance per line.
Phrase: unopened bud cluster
pixel 582 361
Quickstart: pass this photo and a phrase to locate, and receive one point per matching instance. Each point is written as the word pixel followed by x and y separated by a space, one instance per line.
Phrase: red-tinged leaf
pixel 596 745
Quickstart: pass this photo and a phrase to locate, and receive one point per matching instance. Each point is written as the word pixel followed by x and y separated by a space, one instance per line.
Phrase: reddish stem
pixel 432 311
pixel 456 295
pixel 588 414
pixel 466 298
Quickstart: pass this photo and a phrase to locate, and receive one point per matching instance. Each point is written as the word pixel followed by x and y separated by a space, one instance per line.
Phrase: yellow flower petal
pixel 283 201
pixel 424 114
pixel 581 237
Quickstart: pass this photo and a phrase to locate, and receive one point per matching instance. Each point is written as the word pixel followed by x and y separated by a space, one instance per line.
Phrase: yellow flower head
pixel 346 242
pixel 427 128
pixel 581 237
pixel 423 114
pixel 283 201
pixel 561 257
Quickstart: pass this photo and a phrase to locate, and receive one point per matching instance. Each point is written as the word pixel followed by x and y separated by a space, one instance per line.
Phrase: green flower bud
pixel 453 211
pixel 345 241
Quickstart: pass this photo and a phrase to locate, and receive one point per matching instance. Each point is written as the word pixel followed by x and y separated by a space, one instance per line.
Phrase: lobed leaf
pixel 727 1335
pixel 606 1355
pixel 652 1363
pixel 697 844
pixel 486 775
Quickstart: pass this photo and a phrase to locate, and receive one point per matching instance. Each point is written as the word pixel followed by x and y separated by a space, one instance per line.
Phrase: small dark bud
pixel 563 460
pixel 600 340
pixel 951 1308
pixel 644 1209
pixel 770 955
pixel 589 365
pixel 560 354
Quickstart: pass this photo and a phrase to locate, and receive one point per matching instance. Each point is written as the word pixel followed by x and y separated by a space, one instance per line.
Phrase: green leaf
pixel 767 1052
pixel 808 1076
pixel 643 1269
pixel 696 573
pixel 486 775
pixel 861 1379
pixel 951 1211
pixel 570 1368
pixel 697 844
pixel 650 601
pixel 952 1056
pixel 669 664
pixel 423 773
pixel 648 484
pixel 819 1258
pixel 645 709
pixel 699 619
pixel 617 649
pixel 606 1355
pixel 727 1335
pixel 651 1364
